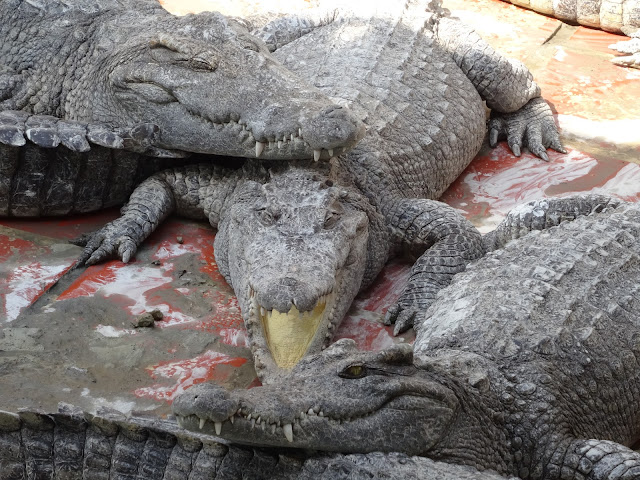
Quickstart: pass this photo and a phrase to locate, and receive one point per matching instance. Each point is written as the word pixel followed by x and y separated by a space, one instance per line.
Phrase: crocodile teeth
pixel 300 132
pixel 218 426
pixel 316 155
pixel 288 432
pixel 202 422
pixel 279 143
pixel 292 137
pixel 231 419
pixel 259 148
pixel 331 152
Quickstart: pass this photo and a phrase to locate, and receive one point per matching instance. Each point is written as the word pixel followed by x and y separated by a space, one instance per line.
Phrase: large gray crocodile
pixel 297 242
pixel 130 75
pixel 72 445
pixel 617 16
pixel 528 364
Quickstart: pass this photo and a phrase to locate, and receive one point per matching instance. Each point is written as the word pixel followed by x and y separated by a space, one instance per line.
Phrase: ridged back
pixel 560 311
pixel 74 446
pixel 425 119
pixel 37 181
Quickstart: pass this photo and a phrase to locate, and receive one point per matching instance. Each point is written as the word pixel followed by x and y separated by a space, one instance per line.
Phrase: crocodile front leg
pixel 518 111
pixel 450 241
pixel 197 191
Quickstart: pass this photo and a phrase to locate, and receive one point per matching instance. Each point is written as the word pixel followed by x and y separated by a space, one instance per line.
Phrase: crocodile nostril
pixel 288 282
pixel 332 109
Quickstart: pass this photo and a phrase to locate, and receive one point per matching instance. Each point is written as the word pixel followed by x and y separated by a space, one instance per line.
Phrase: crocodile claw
pixel 531 126
pixel 402 316
pixel 113 240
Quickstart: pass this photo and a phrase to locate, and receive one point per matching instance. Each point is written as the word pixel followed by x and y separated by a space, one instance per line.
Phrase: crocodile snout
pixel 334 127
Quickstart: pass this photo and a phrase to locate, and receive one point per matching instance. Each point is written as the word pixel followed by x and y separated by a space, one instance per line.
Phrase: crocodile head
pixel 339 400
pixel 209 86
pixel 295 250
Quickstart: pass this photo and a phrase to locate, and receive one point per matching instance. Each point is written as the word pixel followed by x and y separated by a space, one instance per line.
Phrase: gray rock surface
pixel 526 364
pixel 298 242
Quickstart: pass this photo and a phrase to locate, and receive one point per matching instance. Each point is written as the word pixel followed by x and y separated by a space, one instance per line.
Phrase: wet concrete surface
pixel 67 334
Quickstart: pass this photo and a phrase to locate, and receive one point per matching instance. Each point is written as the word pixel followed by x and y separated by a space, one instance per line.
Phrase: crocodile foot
pixel 117 238
pixel 531 126
pixel 628 46
pixel 403 316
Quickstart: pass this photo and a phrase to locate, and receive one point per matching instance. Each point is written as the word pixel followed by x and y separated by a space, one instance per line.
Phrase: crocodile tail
pixel 545 213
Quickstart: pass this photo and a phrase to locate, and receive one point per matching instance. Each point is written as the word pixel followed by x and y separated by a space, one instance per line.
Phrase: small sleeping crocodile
pixel 298 241
pixel 527 364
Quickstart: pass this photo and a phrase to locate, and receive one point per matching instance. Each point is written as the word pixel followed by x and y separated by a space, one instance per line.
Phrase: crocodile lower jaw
pixel 286 337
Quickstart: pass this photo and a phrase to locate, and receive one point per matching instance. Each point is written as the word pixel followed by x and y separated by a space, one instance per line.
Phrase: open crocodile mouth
pixel 289 335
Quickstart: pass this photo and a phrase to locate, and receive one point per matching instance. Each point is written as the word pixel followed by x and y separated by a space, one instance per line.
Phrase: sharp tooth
pixel 202 422
pixel 232 419
pixel 253 423
pixel 292 137
pixel 331 152
pixel 259 420
pixel 280 144
pixel 249 417
pixel 218 426
pixel 321 413
pixel 259 148
pixel 316 155
pixel 288 432
pixel 300 132
pixel 273 428
pixel 311 412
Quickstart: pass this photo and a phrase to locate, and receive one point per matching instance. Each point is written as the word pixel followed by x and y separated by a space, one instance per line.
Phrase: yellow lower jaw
pixel 289 334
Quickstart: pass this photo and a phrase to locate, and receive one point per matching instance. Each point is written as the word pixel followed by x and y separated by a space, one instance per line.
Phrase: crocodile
pixel 528 363
pixel 70 444
pixel 82 71
pixel 616 16
pixel 298 241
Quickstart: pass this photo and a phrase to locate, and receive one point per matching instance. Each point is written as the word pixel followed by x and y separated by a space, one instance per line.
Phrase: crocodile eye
pixel 266 217
pixel 203 65
pixel 152 92
pixel 330 220
pixel 354 371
